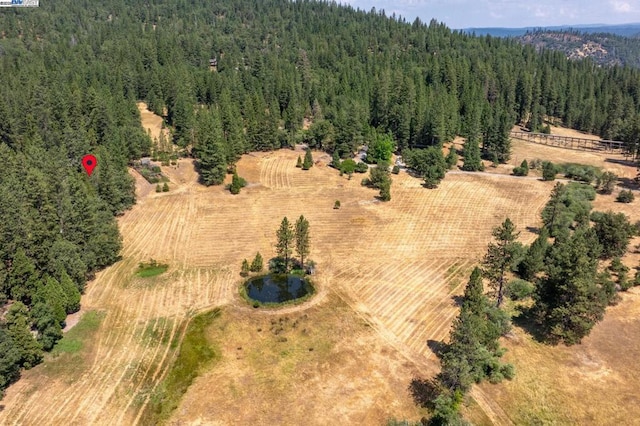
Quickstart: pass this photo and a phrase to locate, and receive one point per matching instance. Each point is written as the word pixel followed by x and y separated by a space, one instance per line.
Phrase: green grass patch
pixel 151 269
pixel 72 341
pixel 196 352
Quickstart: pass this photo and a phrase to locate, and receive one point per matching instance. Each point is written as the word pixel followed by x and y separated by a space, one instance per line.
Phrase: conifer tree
pixel 533 263
pixel 571 299
pixel 472 161
pixel 302 239
pixel 284 246
pixel 257 263
pixel 244 270
pixel 308 160
pixel 497 261
pixel 299 163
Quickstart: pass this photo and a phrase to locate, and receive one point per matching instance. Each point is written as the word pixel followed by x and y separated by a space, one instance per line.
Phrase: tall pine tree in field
pixel 499 256
pixel 302 239
pixel 284 246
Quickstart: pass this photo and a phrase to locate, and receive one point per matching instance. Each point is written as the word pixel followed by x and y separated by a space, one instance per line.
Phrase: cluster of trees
pixel 352 74
pixel 57 225
pixel 565 277
pixel 256 265
pixel 473 352
pixel 380 178
pixel 307 163
pixel 291 237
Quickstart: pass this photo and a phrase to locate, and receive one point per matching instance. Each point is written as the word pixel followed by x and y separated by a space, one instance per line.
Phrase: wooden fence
pixel 571 142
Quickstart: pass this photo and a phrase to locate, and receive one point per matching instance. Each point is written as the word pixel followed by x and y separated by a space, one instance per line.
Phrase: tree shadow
pixel 526 321
pixel 424 392
pixel 628 183
pixel 457 300
pixel 437 347
pixel 533 229
pixel 624 162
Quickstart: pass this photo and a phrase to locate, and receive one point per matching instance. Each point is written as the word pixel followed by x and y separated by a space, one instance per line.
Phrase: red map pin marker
pixel 89 162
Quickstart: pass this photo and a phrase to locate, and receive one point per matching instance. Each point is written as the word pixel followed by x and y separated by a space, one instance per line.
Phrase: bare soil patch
pixel 151 122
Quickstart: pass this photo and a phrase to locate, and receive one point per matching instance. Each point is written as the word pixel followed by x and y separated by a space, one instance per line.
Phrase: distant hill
pixel 625 30
pixel 604 49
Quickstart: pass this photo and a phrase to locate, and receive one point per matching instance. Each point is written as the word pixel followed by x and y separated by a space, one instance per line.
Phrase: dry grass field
pixel 387 274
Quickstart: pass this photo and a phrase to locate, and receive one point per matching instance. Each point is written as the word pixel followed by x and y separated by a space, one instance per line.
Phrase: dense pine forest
pixel 231 77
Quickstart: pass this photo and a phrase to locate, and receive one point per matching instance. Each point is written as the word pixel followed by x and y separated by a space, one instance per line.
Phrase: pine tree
pixel 308 160
pixel 554 214
pixel 499 257
pixel 472 161
pixel 571 299
pixel 533 263
pixel 284 246
pixel 302 238
pixel 257 263
pixel 244 270
pixel 212 164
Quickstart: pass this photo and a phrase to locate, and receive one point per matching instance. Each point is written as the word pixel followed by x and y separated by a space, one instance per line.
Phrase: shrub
pixel 158 188
pixel 548 171
pixel 165 187
pixel 395 170
pixel 348 166
pixel 625 196
pixel 522 170
pixel 237 183
pixel 535 164
pixel 362 168
pixel 606 182
pixel 519 289
pixel 299 163
pixel 336 205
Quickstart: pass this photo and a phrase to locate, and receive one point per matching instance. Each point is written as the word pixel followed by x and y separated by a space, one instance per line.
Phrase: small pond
pixel 277 288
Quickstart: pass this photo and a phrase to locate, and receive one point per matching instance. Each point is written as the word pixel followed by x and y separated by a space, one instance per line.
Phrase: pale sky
pixel 509 13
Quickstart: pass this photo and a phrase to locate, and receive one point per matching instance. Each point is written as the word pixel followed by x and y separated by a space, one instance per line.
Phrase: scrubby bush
pixel 523 170
pixel 362 168
pixel 580 172
pixel 548 171
pixel 165 187
pixel 395 170
pixel 519 289
pixel 336 205
pixel 607 182
pixel 237 183
pixel 625 196
pixel 535 164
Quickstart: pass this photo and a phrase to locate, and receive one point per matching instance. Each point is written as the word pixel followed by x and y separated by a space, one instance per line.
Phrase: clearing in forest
pixel 386 277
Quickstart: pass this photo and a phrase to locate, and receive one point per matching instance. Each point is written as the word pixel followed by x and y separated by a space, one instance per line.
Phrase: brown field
pixel 151 123
pixel 386 276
